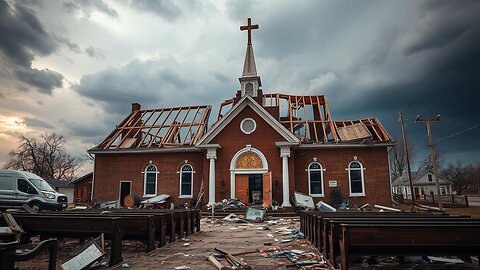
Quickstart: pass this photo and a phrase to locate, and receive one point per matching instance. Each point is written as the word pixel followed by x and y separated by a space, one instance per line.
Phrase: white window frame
pixel 308 170
pixel 350 180
pixel 180 181
pixel 145 172
pixel 254 126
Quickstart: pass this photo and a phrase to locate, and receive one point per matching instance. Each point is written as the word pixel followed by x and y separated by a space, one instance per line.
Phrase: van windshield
pixel 41 185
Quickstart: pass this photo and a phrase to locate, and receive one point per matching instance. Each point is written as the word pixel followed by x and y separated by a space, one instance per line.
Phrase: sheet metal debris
pixel 325 207
pixel 254 214
pixel 303 201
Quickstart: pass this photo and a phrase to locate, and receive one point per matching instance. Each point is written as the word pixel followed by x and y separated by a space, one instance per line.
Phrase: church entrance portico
pixel 250 180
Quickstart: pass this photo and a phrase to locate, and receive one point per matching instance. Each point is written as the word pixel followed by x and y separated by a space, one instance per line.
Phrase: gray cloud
pixel 169 10
pixel 88 6
pixel 23 37
pixel 34 122
pixel 95 52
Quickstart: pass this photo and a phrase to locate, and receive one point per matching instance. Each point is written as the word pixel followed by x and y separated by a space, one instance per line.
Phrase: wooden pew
pixel 75 227
pixel 8 255
pixel 331 230
pixel 458 239
pixel 159 228
pixel 314 221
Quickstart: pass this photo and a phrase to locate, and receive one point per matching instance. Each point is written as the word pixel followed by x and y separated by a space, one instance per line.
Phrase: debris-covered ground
pixel 233 238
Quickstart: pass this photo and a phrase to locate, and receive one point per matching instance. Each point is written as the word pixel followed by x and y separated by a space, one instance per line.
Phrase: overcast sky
pixel 74 67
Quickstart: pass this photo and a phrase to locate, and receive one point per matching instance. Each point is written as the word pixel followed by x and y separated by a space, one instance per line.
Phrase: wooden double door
pixel 253 188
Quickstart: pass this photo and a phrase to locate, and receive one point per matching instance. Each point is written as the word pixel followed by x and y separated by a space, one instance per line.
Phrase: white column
pixel 232 185
pixel 211 155
pixel 285 154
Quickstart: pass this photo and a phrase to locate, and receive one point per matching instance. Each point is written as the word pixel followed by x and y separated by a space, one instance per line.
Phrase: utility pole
pixel 432 149
pixel 407 157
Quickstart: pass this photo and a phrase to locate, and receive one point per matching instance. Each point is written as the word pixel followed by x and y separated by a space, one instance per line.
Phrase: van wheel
pixel 36 207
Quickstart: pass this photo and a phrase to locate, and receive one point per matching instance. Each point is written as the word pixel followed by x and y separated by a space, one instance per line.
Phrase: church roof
pixel 158 128
pixel 310 120
pixel 237 108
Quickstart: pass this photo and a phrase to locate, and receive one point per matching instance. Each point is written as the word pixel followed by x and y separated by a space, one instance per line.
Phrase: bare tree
pixel 45 156
pixel 398 160
pixel 462 177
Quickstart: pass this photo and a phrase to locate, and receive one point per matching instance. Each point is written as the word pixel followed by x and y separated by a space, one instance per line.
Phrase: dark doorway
pixel 125 190
pixel 255 188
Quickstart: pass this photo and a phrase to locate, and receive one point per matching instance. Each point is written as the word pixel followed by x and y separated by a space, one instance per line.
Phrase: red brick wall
pixel 86 185
pixel 232 139
pixel 110 169
pixel 335 161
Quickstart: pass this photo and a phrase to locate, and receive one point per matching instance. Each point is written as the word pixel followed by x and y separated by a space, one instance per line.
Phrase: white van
pixel 18 188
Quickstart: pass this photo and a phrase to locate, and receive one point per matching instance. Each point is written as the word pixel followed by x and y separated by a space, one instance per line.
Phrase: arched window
pixel 315 179
pixel 356 181
pixel 186 181
pixel 150 184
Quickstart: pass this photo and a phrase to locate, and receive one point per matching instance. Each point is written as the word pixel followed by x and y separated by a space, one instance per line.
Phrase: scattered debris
pixel 216 263
pixel 387 208
pixel 234 218
pixel 325 207
pixel 257 215
pixel 296 234
pixel 444 260
pixel 159 199
pixel 303 201
pixel 125 265
pixel 229 204
pixel 182 267
pixel 88 254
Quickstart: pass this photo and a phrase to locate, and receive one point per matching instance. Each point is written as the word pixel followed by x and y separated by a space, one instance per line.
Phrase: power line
pixel 457 133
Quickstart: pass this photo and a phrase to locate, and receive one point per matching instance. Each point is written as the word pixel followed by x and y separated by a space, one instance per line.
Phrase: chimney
pixel 136 107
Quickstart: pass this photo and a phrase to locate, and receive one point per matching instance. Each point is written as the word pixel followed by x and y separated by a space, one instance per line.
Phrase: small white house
pixel 423 184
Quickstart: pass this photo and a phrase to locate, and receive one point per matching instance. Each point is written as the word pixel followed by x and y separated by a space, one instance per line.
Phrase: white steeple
pixel 250 82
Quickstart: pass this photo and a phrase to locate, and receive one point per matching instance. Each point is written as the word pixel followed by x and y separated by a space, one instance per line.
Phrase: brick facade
pixel 111 168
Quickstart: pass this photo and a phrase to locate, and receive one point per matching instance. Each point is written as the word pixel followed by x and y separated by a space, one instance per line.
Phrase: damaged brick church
pixel 262 147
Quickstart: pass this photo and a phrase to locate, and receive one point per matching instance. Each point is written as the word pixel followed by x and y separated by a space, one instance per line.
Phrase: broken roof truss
pixel 155 128
pixel 309 118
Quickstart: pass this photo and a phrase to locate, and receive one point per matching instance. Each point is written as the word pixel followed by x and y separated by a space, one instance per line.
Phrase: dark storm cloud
pixel 444 48
pixel 88 6
pixel 23 37
pixel 424 59
pixel 151 83
pixel 169 10
pixel 34 122
pixel 72 46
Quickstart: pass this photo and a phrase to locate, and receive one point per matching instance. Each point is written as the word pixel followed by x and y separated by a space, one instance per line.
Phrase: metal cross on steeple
pixel 249 28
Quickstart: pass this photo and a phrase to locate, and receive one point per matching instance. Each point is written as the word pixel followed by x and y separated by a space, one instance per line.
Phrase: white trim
pixel 120 190
pixel 234 170
pixel 237 108
pixel 254 126
pixel 145 181
pixel 350 182
pixel 309 182
pixel 180 178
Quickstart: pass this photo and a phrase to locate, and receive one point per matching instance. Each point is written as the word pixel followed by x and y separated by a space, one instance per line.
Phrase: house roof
pixel 79 179
pixel 59 183
pixel 418 179
pixel 237 108
pixel 158 128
